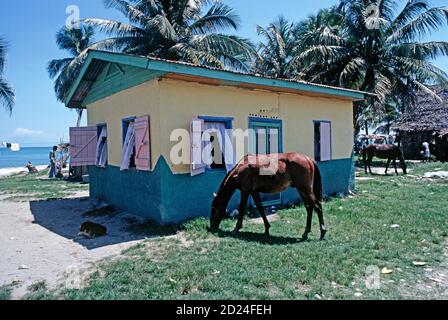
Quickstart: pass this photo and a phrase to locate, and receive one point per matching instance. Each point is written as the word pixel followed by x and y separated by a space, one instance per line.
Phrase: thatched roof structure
pixel 426 114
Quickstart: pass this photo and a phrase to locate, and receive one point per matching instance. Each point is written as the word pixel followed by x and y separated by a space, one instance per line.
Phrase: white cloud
pixel 25 133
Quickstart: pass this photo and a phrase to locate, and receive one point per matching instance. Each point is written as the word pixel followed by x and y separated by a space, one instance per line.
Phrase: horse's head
pixel 404 167
pixel 217 215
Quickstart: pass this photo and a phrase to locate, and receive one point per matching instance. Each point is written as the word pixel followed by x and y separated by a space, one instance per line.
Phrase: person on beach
pixel 426 152
pixel 31 168
pixel 53 163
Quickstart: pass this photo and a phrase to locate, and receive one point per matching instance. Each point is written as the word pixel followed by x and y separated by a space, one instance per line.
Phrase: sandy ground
pixel 10 171
pixel 37 241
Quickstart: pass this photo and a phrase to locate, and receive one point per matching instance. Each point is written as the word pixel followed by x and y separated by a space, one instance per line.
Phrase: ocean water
pixel 38 156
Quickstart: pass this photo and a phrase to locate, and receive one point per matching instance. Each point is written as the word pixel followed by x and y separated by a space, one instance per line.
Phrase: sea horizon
pixel 37 155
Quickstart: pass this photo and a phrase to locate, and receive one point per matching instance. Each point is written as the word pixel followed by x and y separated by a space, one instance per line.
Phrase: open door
pixel 325 141
pixel 143 143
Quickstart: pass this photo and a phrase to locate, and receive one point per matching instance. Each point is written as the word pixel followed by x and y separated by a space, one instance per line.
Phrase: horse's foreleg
pixel 395 165
pixel 369 161
pixel 242 210
pixel 259 204
pixel 388 164
pixel 365 162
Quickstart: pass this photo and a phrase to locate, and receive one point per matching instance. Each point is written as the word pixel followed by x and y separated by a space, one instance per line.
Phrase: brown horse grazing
pixel 383 151
pixel 285 170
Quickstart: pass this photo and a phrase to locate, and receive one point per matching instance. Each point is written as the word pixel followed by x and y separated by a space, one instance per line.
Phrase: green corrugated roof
pixel 96 61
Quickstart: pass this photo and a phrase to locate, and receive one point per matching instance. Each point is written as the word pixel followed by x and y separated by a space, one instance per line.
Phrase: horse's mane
pixel 226 180
pixel 225 186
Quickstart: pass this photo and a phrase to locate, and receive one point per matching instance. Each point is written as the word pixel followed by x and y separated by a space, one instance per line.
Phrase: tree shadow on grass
pixel 260 238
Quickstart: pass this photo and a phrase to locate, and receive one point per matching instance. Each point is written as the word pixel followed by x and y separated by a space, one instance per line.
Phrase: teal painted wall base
pixel 167 198
pixel 134 191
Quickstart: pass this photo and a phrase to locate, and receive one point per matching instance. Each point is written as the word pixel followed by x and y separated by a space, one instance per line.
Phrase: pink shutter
pixel 143 144
pixel 83 143
pixel 325 141
pixel 196 129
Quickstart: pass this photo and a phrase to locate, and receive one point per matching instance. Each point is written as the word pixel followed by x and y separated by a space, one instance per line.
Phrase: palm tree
pixel 177 30
pixel 378 51
pixel 7 95
pixel 76 42
pixel 276 52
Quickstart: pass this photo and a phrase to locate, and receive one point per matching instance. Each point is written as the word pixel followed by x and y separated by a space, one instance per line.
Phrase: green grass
pixel 199 265
pixel 36 187
pixel 5 293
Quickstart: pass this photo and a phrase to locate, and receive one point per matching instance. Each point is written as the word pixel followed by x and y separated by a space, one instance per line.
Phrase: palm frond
pixel 426 50
pixel 352 72
pixel 7 95
pixel 218 18
pixel 163 27
pixel 56 66
pixel 128 10
pixel 387 9
pixel 3 48
pixel 421 68
pixel 191 54
pixel 426 90
pixel 223 44
pixel 430 20
pixel 412 9
pixel 321 54
pixel 112 27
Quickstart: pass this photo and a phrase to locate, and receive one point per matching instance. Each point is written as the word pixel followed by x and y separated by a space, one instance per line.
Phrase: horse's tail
pixel 317 185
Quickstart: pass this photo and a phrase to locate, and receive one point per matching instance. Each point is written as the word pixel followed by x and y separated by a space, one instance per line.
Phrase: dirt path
pixel 36 241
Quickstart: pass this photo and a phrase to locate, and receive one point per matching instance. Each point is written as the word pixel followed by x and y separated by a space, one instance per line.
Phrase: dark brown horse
pixel 271 174
pixel 383 151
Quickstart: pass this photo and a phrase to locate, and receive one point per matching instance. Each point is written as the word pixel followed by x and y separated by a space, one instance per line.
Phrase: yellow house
pixel 142 112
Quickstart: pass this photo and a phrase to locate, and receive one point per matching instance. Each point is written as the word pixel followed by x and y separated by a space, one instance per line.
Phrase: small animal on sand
pixel 92 230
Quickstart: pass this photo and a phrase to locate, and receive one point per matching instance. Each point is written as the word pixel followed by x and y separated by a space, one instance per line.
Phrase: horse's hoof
pixel 322 236
pixel 235 232
pixel 213 230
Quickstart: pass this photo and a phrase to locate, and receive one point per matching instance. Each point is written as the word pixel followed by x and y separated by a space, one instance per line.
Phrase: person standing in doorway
pixel 426 151
pixel 53 163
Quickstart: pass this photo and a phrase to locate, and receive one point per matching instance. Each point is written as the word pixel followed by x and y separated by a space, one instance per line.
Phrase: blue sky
pixel 30 27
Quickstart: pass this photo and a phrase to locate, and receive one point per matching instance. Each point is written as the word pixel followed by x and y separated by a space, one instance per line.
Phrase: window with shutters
pixel 136 151
pixel 128 149
pixel 83 143
pixel 102 155
pixel 143 143
pixel 322 141
pixel 214 141
pixel 266 137
pixel 211 144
